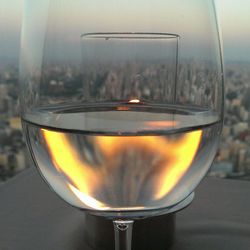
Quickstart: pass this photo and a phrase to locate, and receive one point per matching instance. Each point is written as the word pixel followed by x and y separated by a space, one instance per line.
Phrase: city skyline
pixel 233 16
pixel 233 158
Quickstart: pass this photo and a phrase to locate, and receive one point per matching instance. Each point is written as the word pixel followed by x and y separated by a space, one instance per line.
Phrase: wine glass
pixel 122 103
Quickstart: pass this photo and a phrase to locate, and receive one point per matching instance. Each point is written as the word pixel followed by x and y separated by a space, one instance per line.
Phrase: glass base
pixel 141 214
pixel 155 232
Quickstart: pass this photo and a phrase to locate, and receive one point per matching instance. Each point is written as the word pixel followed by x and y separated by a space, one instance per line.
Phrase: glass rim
pixel 129 35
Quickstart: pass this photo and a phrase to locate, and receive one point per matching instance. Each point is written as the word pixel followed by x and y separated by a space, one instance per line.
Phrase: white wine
pixel 124 157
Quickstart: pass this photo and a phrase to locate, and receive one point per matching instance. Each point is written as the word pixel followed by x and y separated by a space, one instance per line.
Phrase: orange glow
pixel 178 154
pixel 134 101
pixel 122 108
pixel 182 154
pixel 161 124
pixel 67 161
pixel 93 203
pixel 86 199
pixel 174 157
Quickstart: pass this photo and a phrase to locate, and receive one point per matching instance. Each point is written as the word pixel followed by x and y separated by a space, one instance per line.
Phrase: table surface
pixel 32 217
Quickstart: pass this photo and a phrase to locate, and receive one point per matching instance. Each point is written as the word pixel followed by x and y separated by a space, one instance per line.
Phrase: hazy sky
pixel 235 25
pixel 234 17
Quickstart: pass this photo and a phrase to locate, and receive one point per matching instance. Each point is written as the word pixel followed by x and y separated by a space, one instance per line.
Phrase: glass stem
pixel 123 234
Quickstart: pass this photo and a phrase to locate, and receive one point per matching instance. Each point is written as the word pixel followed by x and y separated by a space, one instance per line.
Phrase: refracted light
pixel 182 154
pixel 67 161
pixel 122 108
pixel 86 199
pixel 134 101
pixel 93 203
pixel 176 155
pixel 161 124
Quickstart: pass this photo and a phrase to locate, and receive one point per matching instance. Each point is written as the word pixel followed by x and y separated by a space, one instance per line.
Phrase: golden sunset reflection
pixel 134 101
pixel 87 200
pixel 67 161
pixel 168 158
pixel 162 124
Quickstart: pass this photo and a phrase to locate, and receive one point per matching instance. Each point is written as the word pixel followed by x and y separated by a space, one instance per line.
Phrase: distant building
pixel 15 123
pixel 240 127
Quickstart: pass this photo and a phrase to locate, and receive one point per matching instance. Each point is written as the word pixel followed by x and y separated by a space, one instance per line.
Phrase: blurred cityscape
pixel 13 153
pixel 233 158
